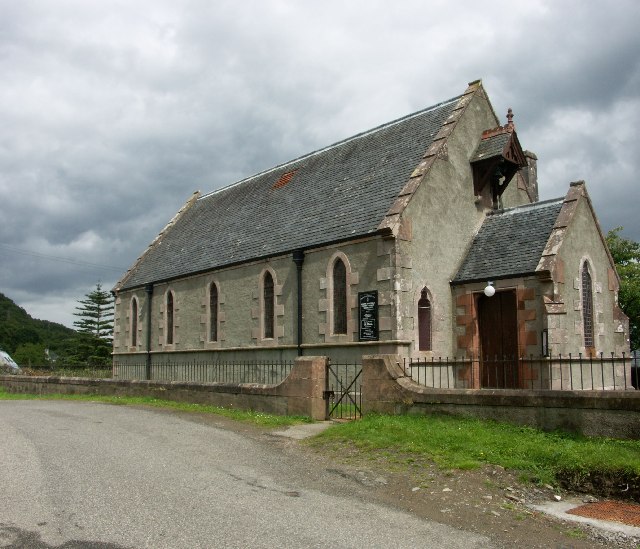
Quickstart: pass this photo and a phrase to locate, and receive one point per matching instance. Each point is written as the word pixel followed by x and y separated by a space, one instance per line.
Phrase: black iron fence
pixel 562 372
pixel 252 371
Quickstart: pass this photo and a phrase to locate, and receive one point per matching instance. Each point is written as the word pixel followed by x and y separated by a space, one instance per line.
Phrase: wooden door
pixel 498 327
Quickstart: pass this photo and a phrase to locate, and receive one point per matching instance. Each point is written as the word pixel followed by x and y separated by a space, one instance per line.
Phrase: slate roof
pixel 491 146
pixel 337 193
pixel 510 242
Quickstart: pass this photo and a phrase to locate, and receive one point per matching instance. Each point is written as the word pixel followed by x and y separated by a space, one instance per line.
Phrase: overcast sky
pixel 114 112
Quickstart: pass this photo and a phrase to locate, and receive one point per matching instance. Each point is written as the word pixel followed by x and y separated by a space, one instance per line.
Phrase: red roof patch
pixel 284 179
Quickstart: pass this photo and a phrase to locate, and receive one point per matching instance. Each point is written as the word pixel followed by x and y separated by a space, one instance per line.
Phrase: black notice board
pixel 368 316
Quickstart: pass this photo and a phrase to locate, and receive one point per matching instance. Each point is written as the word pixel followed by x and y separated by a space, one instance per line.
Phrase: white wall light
pixel 489 290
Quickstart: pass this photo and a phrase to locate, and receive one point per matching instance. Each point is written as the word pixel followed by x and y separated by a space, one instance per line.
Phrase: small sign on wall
pixel 368 316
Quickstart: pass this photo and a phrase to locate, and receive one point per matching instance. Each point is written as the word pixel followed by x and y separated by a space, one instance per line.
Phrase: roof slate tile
pixel 337 193
pixel 510 242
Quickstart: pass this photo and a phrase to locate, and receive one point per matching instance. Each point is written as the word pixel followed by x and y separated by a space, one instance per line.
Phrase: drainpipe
pixel 149 289
pixel 298 259
pixel 114 295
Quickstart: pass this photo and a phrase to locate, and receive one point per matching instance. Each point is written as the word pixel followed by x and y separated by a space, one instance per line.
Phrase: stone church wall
pixel 582 243
pixel 240 329
pixel 444 215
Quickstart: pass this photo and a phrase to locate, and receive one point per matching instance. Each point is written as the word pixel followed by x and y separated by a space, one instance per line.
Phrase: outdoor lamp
pixel 489 290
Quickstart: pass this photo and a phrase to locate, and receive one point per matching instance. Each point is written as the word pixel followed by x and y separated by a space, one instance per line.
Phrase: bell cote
pixel 497 160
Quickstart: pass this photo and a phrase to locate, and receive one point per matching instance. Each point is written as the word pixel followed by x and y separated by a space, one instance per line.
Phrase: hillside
pixel 18 328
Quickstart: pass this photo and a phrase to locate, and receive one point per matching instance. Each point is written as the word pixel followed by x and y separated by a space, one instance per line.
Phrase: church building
pixel 423 237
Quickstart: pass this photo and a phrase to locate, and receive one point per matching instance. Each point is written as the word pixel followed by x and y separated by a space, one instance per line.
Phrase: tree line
pixel 626 255
pixel 34 343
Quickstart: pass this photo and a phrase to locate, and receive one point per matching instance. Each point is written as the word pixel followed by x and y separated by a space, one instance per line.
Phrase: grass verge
pixel 257 418
pixel 459 443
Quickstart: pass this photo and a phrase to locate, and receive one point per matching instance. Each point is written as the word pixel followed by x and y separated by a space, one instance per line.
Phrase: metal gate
pixel 343 394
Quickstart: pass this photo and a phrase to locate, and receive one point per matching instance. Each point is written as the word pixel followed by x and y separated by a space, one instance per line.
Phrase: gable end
pixel 577 191
pixel 436 150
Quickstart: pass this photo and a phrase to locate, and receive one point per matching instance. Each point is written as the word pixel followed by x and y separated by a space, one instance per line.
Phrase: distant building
pixel 381 243
pixel 50 356
pixel 7 363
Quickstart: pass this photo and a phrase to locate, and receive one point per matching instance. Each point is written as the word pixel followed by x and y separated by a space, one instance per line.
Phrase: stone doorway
pixel 498 329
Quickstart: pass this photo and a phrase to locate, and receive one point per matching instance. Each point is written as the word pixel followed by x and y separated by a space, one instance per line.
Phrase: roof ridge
pixel 349 185
pixel 531 206
pixel 334 145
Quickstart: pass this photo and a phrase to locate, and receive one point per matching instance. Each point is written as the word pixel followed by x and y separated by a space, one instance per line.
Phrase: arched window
pixel 587 306
pixel 169 317
pixel 213 312
pixel 424 321
pixel 134 322
pixel 339 297
pixel 268 305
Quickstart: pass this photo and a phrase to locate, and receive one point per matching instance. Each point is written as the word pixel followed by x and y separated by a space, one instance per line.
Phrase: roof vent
pixel 284 179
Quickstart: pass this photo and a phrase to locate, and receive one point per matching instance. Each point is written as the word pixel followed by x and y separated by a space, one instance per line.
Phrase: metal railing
pixel 561 372
pixel 251 371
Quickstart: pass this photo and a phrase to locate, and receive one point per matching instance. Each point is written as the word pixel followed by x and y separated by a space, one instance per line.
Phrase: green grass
pixel 457 443
pixel 258 418
pixel 344 409
pixel 576 533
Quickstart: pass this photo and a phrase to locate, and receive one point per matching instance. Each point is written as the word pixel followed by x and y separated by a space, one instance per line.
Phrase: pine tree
pixel 96 314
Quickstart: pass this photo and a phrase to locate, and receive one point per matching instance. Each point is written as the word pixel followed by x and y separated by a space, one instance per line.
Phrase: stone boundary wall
pixel 386 389
pixel 299 394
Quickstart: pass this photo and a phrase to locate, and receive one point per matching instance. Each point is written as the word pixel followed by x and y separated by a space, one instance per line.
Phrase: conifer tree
pixel 96 314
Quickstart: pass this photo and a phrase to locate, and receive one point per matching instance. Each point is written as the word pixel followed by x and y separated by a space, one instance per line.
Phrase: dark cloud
pixel 114 113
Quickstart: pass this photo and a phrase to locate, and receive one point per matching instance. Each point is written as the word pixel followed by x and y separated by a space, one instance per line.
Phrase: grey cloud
pixel 114 115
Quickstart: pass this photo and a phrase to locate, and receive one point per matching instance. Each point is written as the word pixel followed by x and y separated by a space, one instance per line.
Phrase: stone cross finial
pixel 509 118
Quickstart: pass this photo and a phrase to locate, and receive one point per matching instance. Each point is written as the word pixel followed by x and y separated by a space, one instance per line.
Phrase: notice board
pixel 368 316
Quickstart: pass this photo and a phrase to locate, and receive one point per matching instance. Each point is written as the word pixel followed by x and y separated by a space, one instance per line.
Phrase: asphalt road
pixel 76 475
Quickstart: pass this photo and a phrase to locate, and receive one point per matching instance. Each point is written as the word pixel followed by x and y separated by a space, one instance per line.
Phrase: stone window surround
pixel 205 317
pixel 352 279
pixel 211 285
pixel 339 298
pixel 134 322
pixel 586 297
pixel 416 325
pixel 165 320
pixel 596 290
pixel 265 306
pixel 278 311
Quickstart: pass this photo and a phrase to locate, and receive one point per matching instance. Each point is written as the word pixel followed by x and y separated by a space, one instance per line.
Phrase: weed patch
pixel 573 461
